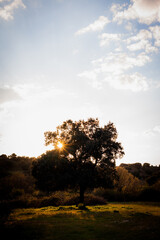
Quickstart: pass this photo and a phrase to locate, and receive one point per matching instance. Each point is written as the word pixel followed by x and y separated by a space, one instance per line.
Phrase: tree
pixel 127 183
pixel 52 172
pixel 90 151
pixel 15 176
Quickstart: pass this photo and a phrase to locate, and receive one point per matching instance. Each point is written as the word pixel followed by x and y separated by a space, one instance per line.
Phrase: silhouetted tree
pixel 15 176
pixel 90 152
pixel 126 182
pixel 52 172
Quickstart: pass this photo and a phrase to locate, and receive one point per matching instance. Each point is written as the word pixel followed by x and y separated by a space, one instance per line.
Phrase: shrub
pixel 71 200
pixel 50 201
pixel 149 194
pixel 91 199
pixel 55 199
pixel 112 195
pixel 127 183
pixel 108 194
pixel 81 206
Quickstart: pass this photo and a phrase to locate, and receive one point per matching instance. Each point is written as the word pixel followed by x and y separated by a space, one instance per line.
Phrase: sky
pixel 76 59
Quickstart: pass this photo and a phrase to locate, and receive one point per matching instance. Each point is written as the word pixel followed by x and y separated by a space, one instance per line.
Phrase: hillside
pixel 145 172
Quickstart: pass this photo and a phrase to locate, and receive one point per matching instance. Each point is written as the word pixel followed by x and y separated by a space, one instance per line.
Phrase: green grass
pixel 112 222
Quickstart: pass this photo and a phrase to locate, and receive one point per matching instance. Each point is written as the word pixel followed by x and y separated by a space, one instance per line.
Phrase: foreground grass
pixel 111 221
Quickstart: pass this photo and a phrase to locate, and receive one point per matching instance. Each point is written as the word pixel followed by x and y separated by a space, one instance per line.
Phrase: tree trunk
pixel 82 194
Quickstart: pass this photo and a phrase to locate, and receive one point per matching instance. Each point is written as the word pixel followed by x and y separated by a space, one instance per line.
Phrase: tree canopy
pixel 89 152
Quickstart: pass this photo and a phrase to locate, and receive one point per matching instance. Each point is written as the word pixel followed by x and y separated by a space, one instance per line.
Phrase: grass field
pixel 114 221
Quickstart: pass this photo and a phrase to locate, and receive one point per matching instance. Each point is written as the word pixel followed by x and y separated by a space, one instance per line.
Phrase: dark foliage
pixel 15 176
pixel 88 157
pixel 149 194
pixel 146 172
pixel 52 172
pixel 86 161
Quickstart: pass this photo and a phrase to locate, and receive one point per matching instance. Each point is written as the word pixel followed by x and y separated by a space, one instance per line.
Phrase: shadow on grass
pixel 69 223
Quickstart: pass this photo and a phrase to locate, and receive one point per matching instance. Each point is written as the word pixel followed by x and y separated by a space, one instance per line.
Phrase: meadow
pixel 111 221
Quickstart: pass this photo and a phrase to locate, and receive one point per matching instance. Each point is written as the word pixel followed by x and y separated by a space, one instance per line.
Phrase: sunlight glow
pixel 60 145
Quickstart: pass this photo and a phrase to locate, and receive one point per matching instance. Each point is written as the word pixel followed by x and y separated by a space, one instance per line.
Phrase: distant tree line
pixel 145 172
pixel 15 176
pixel 17 181
pixel 80 168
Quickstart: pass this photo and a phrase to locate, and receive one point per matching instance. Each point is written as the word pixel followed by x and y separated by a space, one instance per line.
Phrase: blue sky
pixel 62 59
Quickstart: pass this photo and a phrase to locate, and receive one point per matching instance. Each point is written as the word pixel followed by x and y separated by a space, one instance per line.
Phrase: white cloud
pixel 134 82
pixel 154 131
pixel 157 129
pixel 1 1
pixel 7 11
pixel 150 49
pixel 119 62
pixel 75 51
pixel 156 34
pixel 89 74
pixel 92 77
pixel 142 35
pixel 118 49
pixel 29 94
pixel 143 44
pixel 137 46
pixel 143 40
pixel 117 7
pixel 35 93
pixel 146 11
pixel 106 38
pixel 8 94
pixel 112 69
pixel 40 108
pixel 98 25
pixel 129 26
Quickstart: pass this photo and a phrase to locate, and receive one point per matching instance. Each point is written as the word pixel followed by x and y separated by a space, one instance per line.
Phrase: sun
pixel 59 145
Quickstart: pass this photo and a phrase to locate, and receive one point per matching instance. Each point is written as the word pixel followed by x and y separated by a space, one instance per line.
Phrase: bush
pixel 15 185
pixel 91 199
pixel 65 198
pixel 108 194
pixel 81 206
pixel 7 206
pixel 113 195
pixel 127 183
pixel 55 199
pixel 50 201
pixel 149 194
pixel 71 200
